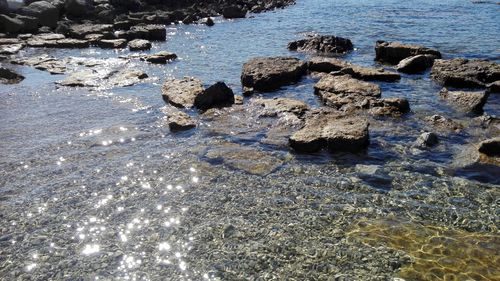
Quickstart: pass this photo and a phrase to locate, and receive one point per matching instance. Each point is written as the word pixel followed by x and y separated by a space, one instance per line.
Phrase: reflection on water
pixel 438 253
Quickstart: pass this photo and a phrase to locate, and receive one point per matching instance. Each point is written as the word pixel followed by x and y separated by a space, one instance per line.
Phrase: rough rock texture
pixel 182 92
pixel 443 124
pixel 416 64
pixel 494 87
pixel 46 13
pixel 338 91
pixel 8 76
pixel 332 131
pixel 217 95
pixel 178 120
pixel 275 106
pixel 325 64
pixel 465 101
pixel 389 107
pixel 110 78
pixel 394 52
pixel 464 73
pixel 45 63
pixel 269 74
pixel 490 147
pixel 139 45
pixel 78 8
pixel 79 31
pixel 427 139
pixel 162 57
pixel 10 49
pixel 112 43
pixel 327 44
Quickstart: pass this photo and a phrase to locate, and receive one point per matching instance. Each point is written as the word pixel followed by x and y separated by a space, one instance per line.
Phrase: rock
pixel 154 32
pixel 389 107
pixel 327 44
pixel 209 22
pixel 464 73
pixel 72 43
pixel 45 63
pixel 139 45
pixel 415 64
pixel 178 120
pixel 11 25
pixel 338 91
pixel 490 147
pixel 443 123
pixel 427 139
pixel 335 132
pixel 465 101
pixel 494 87
pixel 233 12
pixel 11 41
pixel 217 95
pixel 182 92
pixel 81 30
pixel 269 74
pixel 394 52
pixel 4 7
pixel 272 107
pixel 326 64
pixel 112 43
pixel 78 8
pixel 246 158
pixel 103 78
pixel 162 57
pixel 10 49
pixel 46 13
pixel 8 76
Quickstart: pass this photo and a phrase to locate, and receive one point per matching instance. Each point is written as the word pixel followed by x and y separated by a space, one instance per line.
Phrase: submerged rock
pixel 178 120
pixel 45 63
pixel 394 52
pixel 327 44
pixel 332 131
pixel 464 73
pixel 269 74
pixel 272 107
pixel 416 64
pixel 325 64
pixel 182 92
pixel 217 95
pixel 338 91
pixel 103 78
pixel 465 101
pixel 8 76
pixel 139 45
pixel 490 147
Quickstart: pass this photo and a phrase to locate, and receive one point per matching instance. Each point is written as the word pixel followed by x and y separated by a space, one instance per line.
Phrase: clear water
pixel 93 184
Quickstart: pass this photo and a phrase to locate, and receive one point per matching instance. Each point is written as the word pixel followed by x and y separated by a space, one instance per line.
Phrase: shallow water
pixel 94 186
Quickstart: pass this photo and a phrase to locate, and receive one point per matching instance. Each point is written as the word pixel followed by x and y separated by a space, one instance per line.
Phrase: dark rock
pixel 112 43
pixel 465 101
pixel 217 95
pixel 490 147
pixel 339 91
pixel 209 22
pixel 46 13
pixel 8 76
pixel 10 24
pixel 4 7
pixel 139 45
pixel 494 87
pixel 394 52
pixel 233 12
pixel 328 44
pixel 326 64
pixel 182 92
pixel 162 57
pixel 78 8
pixel 464 73
pixel 415 64
pixel 269 74
pixel 153 32
pixel 336 132
pixel 389 107
pixel 427 139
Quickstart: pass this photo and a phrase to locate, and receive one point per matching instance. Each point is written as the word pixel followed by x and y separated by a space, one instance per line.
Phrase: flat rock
pixel 162 57
pixel 464 73
pixel 154 32
pixel 274 106
pixel 8 76
pixel 332 131
pixel 327 44
pixel 139 45
pixel 490 147
pixel 245 158
pixel 103 78
pixel 112 43
pixel 326 64
pixel 11 49
pixel 394 52
pixel 217 95
pixel 81 30
pixel 269 74
pixel 389 107
pixel 338 91
pixel 11 41
pixel 465 101
pixel 182 92
pixel 178 120
pixel 416 64
pixel 45 63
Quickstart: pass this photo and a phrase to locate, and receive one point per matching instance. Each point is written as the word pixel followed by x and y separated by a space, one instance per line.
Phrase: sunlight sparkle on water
pixel 90 249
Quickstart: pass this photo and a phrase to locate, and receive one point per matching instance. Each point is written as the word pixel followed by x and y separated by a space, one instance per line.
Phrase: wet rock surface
pixel 325 64
pixel 416 64
pixel 162 57
pixel 269 74
pixel 8 76
pixel 427 139
pixel 103 78
pixel 178 120
pixel 394 52
pixel 326 44
pixel 182 92
pixel 465 101
pixel 112 43
pixel 272 107
pixel 490 147
pixel 217 95
pixel 139 45
pixel 464 73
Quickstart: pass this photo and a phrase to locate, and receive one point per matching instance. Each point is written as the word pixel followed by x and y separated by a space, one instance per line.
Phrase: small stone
pixel 427 139
pixel 490 147
pixel 139 45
